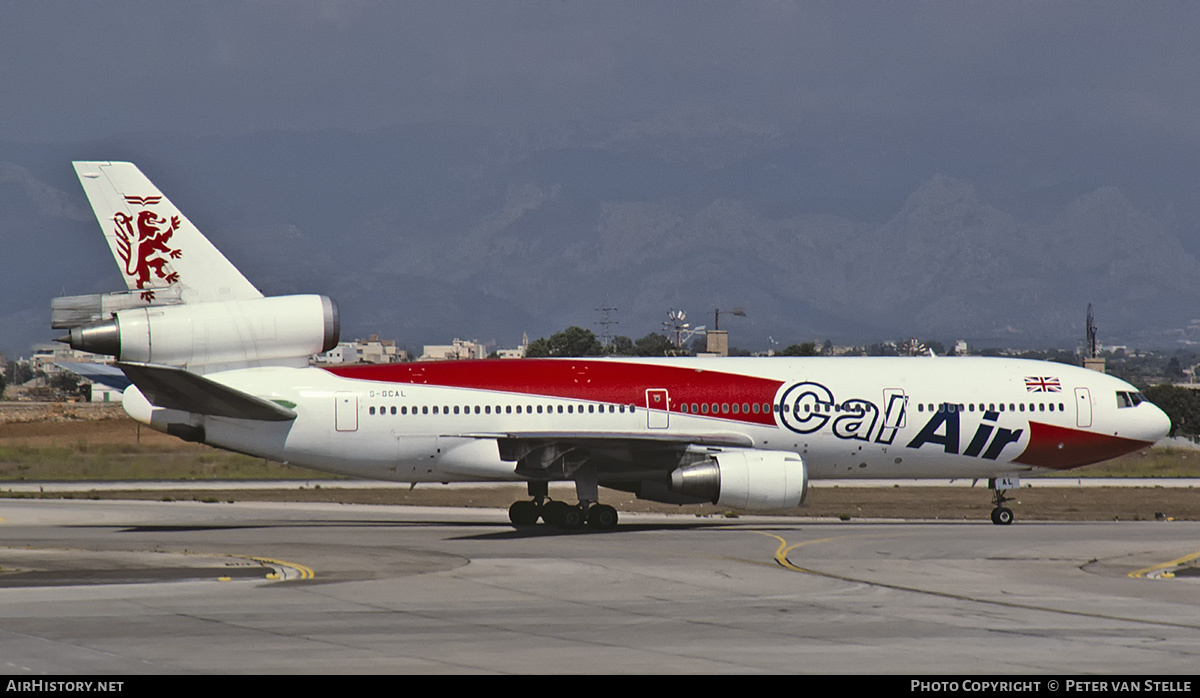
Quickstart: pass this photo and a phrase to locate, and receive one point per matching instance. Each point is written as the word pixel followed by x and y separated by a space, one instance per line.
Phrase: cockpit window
pixel 1129 399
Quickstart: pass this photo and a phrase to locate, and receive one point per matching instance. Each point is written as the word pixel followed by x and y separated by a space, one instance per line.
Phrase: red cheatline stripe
pixel 615 382
pixel 1060 448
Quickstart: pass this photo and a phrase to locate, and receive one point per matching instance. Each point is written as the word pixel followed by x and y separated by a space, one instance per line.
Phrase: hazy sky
pixel 85 70
pixel 1033 103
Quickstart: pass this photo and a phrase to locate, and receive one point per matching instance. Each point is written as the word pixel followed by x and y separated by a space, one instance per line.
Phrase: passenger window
pixel 425 410
pixel 508 409
pixel 393 409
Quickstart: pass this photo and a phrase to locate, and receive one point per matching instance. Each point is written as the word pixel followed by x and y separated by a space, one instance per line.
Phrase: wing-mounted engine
pixel 746 479
pixel 206 336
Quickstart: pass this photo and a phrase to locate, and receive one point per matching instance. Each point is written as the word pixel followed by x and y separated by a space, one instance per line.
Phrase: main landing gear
pixel 600 517
pixel 1002 515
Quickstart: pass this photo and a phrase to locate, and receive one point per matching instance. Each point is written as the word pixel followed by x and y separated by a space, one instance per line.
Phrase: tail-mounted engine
pixel 750 480
pixel 226 333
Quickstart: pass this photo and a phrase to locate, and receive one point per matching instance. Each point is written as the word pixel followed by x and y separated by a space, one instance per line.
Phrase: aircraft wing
pixel 616 438
pixel 617 456
pixel 177 389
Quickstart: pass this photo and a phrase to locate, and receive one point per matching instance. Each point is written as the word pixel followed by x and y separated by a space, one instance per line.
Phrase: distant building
pixel 46 357
pixel 960 348
pixel 518 353
pixel 460 349
pixel 371 350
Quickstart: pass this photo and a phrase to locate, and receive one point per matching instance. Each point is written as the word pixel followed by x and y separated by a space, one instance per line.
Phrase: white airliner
pixel 211 360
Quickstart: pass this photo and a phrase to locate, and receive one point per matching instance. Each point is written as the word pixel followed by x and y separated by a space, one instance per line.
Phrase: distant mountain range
pixel 424 234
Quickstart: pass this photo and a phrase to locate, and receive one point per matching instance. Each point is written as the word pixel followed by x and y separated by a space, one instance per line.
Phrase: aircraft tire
pixel 602 517
pixel 523 513
pixel 552 512
pixel 1002 516
pixel 571 518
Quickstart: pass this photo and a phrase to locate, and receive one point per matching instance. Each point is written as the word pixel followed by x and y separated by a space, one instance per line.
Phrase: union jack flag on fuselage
pixel 1042 384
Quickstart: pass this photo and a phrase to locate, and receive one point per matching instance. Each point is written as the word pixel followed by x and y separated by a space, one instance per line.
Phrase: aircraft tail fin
pixel 158 250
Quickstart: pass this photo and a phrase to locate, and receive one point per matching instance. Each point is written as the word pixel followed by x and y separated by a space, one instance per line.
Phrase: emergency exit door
pixel 1083 407
pixel 658 406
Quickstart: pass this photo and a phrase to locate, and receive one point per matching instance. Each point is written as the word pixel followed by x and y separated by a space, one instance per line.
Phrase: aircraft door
pixel 894 403
pixel 345 412
pixel 658 406
pixel 1083 407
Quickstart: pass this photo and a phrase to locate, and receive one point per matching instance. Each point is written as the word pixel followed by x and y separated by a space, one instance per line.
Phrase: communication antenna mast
pixel 607 322
pixel 1091 333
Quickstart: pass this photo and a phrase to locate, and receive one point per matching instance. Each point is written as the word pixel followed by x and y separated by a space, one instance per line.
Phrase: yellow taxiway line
pixel 1141 574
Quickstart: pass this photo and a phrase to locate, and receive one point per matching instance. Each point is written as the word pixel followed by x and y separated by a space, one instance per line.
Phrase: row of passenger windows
pixel 993 407
pixel 501 409
pixel 725 408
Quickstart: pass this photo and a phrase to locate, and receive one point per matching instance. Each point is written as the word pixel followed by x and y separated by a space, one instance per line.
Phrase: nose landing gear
pixel 1002 515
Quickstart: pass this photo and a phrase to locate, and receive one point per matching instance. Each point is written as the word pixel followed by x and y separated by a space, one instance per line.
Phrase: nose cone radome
pixel 1156 423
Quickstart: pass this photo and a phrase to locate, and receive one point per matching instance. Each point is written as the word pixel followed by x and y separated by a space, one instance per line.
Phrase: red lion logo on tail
pixel 146 248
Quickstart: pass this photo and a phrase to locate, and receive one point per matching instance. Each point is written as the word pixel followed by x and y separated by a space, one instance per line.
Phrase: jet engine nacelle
pixel 751 480
pixel 225 333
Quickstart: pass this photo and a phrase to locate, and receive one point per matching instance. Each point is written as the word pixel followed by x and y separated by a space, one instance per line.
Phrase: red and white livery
pixel 212 360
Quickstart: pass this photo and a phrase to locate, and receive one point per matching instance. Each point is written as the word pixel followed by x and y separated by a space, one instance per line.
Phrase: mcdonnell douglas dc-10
pixel 211 360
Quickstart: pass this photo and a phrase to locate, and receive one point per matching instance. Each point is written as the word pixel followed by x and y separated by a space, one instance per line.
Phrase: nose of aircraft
pixel 1155 424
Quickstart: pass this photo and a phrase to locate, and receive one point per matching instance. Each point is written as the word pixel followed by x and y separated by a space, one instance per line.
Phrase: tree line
pixel 577 341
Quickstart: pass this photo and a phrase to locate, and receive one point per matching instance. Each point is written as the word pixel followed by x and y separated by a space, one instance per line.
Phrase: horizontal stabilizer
pixel 178 389
pixel 97 373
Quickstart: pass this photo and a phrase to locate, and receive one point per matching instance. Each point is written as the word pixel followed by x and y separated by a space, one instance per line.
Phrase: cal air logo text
pixel 810 407
pixel 943 429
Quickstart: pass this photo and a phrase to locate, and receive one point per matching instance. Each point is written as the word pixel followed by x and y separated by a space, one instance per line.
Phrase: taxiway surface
pixel 179 587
